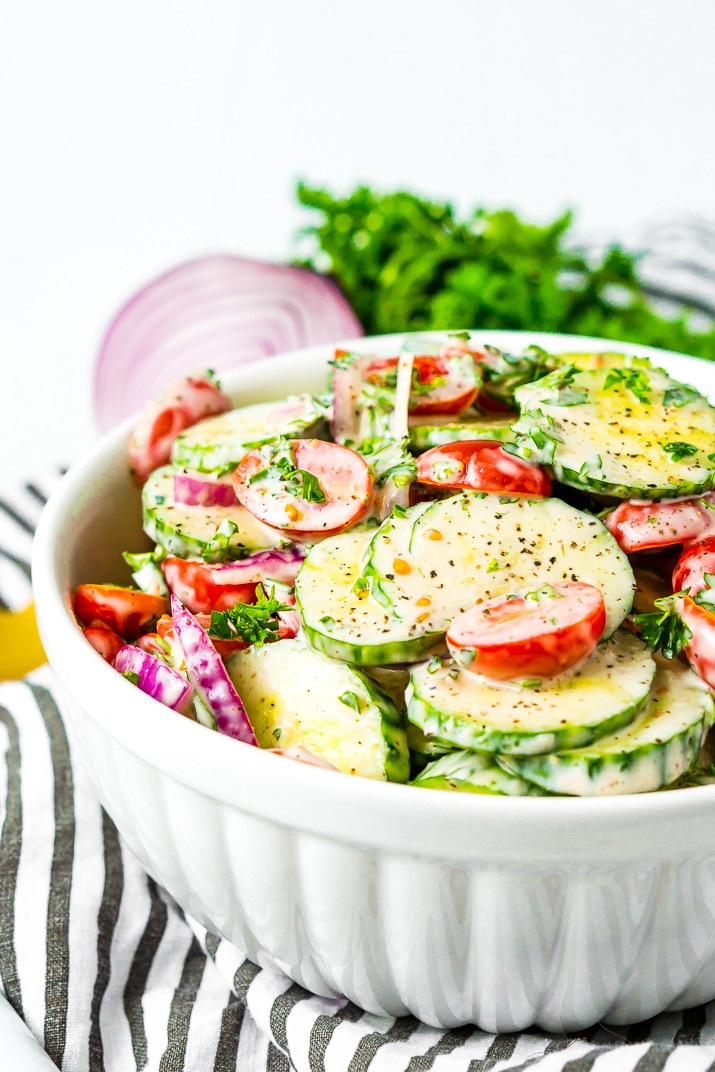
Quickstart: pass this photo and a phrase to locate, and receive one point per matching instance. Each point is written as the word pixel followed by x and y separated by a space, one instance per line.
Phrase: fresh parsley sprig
pixel 664 630
pixel 406 263
pixel 254 623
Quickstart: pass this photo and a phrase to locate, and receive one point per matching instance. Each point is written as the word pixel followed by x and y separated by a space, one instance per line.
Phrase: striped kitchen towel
pixel 105 972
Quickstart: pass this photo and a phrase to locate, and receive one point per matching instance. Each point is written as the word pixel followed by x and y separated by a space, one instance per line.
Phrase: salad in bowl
pixel 425 570
pixel 467 905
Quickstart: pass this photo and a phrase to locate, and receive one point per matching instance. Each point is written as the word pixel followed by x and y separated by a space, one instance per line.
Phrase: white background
pixel 136 135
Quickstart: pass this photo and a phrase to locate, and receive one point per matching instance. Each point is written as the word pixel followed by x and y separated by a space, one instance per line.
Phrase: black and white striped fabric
pixel 102 971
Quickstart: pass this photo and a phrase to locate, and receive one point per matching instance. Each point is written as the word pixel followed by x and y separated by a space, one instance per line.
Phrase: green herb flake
pixel 350 699
pixel 634 380
pixel 494 566
pixel 679 450
pixel 130 675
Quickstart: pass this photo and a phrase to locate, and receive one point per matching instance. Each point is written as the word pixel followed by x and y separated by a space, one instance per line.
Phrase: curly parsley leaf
pixel 409 264
pixel 253 623
pixel 664 630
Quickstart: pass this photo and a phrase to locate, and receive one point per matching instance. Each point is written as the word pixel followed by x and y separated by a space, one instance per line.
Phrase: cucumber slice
pixel 191 531
pixel 471 547
pixel 219 443
pixel 630 433
pixel 349 625
pixel 591 360
pixel 646 756
pixel 426 432
pixel 295 696
pixel 603 694
pixel 474 772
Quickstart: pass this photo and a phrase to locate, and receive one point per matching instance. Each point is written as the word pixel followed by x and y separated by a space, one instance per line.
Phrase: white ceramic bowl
pixel 503 912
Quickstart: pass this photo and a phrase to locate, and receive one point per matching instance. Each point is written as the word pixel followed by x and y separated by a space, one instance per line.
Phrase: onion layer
pixel 215 312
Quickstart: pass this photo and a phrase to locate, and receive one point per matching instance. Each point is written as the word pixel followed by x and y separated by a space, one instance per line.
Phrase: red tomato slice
pixel 180 404
pixel 344 488
pixel 639 526
pixel 443 385
pixel 125 610
pixel 481 465
pixel 202 587
pixel 700 651
pixel 104 640
pixel 531 635
pixel 693 564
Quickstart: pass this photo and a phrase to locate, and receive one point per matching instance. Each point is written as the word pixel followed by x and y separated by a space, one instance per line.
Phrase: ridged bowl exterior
pixel 457 909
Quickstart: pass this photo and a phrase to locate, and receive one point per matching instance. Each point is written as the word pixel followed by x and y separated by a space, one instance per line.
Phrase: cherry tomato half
pixel 104 640
pixel 337 498
pixel 530 635
pixel 700 650
pixel 640 526
pixel 180 404
pixel 481 465
pixel 125 610
pixel 440 384
pixel 202 587
pixel 693 564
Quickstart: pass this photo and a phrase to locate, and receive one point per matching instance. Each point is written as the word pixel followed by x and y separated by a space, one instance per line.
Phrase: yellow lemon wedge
pixel 20 645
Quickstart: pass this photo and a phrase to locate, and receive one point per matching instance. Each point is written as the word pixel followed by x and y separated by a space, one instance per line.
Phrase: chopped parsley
pixel 679 450
pixel 216 550
pixel 494 566
pixel 131 676
pixel 253 623
pixel 663 630
pixel 634 380
pixel 350 699
pixel 282 468
pixel 706 596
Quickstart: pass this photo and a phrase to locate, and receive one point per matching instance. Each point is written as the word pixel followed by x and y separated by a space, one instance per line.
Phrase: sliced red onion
pixel 156 678
pixel 303 755
pixel 271 565
pixel 198 489
pixel 208 676
pixel 347 384
pixel 398 420
pixel 215 312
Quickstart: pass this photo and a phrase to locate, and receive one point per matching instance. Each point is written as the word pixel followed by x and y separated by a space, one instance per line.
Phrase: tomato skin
pixel 513 637
pixel 179 405
pixel 104 640
pixel 641 526
pixel 447 398
pixel 344 477
pixel 481 465
pixel 695 561
pixel 700 650
pixel 198 585
pixel 125 610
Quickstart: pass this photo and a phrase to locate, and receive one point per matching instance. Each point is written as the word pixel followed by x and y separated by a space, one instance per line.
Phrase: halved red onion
pixel 156 678
pixel 199 489
pixel 216 312
pixel 208 676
